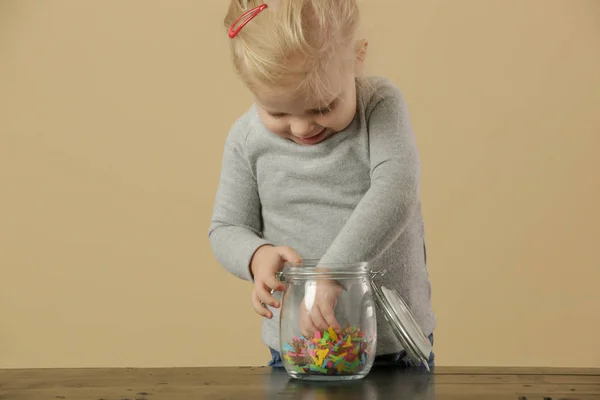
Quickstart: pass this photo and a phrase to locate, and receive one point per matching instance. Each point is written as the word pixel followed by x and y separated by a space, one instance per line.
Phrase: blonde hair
pixel 293 44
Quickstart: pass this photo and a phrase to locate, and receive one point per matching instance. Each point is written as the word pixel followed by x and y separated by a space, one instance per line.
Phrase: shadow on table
pixel 380 384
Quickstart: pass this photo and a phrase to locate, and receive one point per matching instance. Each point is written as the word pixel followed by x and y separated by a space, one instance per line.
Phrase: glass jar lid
pixel 405 327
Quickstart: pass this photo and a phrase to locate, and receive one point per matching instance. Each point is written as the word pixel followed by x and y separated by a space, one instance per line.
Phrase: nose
pixel 301 127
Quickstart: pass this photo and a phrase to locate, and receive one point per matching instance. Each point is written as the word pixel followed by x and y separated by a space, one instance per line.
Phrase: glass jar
pixel 328 321
pixel 328 326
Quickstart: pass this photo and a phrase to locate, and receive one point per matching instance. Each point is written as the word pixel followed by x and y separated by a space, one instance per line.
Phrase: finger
pixel 290 255
pixel 328 314
pixel 273 283
pixel 318 319
pixel 307 327
pixel 260 308
pixel 264 295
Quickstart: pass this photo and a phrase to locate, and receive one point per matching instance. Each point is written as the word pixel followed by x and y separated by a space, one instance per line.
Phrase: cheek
pixel 275 125
pixel 340 119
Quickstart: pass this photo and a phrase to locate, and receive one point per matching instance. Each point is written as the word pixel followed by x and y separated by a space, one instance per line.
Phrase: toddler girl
pixel 323 165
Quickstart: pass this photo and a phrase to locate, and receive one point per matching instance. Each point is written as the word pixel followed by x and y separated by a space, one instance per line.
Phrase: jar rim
pixel 311 268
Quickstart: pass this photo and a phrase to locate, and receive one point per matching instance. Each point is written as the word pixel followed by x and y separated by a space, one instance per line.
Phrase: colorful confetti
pixel 329 353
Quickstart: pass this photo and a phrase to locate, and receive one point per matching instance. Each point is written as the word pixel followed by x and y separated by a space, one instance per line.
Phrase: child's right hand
pixel 267 261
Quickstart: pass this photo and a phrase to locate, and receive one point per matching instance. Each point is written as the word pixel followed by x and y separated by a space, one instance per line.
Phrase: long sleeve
pixel 384 211
pixel 235 230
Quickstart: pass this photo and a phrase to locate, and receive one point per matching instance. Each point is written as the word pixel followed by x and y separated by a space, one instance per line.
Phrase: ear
pixel 361 54
pixel 361 50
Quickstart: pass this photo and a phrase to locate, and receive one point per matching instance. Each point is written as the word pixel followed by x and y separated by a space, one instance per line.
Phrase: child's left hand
pixel 317 308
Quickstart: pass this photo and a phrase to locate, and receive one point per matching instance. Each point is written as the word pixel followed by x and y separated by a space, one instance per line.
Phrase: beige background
pixel 112 121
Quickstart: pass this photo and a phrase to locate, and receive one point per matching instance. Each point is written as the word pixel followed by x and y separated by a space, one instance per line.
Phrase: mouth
pixel 313 139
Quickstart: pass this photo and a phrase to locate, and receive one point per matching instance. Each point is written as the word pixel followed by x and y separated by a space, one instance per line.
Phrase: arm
pixel 383 212
pixel 235 230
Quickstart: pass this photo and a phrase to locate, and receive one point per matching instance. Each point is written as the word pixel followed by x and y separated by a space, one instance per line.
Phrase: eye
pixel 325 110
pixel 276 115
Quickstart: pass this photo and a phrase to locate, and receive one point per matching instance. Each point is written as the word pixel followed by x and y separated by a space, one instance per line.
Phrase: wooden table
pixel 265 383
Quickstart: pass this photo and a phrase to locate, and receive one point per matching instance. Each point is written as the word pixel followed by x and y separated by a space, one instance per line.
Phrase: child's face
pixel 305 120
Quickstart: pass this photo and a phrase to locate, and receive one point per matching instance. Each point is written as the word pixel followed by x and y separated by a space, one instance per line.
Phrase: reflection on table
pixel 380 384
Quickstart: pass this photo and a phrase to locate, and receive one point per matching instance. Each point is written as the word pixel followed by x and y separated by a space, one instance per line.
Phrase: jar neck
pixel 318 271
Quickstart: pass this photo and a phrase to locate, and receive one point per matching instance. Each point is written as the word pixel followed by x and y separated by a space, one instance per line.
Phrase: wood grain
pixel 265 383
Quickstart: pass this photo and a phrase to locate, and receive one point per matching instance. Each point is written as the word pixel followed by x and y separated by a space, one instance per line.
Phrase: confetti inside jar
pixel 330 357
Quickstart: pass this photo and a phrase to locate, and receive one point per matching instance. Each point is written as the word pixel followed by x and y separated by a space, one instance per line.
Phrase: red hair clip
pixel 248 15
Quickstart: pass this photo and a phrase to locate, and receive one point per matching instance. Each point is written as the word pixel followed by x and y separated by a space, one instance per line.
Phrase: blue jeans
pixel 384 360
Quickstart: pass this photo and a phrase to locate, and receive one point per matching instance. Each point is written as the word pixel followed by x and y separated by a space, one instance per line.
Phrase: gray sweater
pixel 354 197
